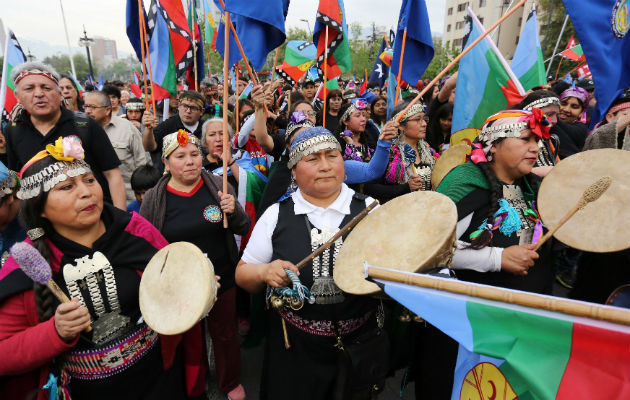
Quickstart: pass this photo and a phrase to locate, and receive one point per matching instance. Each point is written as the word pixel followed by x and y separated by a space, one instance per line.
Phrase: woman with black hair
pixel 96 253
pixel 378 111
pixel 334 100
pixel 439 129
pixel 570 130
pixel 71 97
pixel 495 196
pixel 357 142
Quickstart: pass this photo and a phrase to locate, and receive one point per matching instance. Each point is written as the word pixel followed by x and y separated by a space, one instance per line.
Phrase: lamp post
pixel 310 33
pixel 29 56
pixel 87 42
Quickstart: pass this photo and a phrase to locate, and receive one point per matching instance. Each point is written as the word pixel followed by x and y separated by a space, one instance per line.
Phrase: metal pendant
pixel 326 291
pixel 107 326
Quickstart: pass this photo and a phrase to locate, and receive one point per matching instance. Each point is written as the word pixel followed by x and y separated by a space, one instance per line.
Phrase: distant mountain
pixel 41 49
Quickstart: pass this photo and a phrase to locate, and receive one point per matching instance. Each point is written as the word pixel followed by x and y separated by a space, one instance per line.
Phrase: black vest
pixel 291 241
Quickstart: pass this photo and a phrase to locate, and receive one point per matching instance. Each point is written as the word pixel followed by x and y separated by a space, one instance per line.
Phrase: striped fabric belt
pixel 104 362
pixel 324 327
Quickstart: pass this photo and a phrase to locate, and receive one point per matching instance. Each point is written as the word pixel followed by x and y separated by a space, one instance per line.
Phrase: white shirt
pixel 191 128
pixel 259 248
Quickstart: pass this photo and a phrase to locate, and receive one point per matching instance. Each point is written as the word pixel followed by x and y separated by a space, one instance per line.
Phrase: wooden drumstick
pixel 337 235
pixel 591 193
pixel 37 268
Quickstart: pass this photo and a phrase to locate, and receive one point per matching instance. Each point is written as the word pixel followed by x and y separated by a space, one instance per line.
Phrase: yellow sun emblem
pixel 486 382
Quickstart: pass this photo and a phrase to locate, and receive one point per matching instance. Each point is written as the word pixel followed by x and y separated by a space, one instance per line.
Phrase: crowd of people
pixel 98 182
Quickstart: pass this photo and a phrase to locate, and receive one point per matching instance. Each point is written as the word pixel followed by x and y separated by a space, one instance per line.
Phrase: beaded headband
pixel 180 138
pixel 354 106
pixel 68 152
pixel 621 106
pixel 26 73
pixel 309 141
pixel 298 120
pixel 135 106
pixel 415 109
pixel 542 103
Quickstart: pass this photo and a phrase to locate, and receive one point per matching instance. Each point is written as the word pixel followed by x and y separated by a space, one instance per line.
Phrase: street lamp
pixel 29 56
pixel 87 42
pixel 310 33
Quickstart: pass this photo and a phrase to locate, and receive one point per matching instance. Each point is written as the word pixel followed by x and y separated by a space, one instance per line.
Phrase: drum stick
pixel 337 235
pixel 287 344
pixel 591 193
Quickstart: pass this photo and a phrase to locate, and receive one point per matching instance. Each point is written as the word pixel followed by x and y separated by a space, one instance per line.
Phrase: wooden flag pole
pixel 194 44
pixel 558 70
pixel 386 41
pixel 325 77
pixel 142 51
pixel 146 44
pixel 226 139
pixel 237 118
pixel 459 57
pixel 400 64
pixel 571 307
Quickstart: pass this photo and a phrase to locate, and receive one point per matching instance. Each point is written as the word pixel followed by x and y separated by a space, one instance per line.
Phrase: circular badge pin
pixel 212 214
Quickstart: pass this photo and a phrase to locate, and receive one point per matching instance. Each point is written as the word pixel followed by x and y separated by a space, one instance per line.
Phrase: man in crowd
pixel 43 121
pixel 190 110
pixel 114 96
pixel 124 136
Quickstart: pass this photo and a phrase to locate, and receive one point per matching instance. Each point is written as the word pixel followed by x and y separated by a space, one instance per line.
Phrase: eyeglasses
pixel 87 106
pixel 189 107
pixel 311 113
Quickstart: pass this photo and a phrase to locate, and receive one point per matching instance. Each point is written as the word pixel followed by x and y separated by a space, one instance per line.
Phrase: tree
pixel 442 56
pixel 61 63
pixel 551 14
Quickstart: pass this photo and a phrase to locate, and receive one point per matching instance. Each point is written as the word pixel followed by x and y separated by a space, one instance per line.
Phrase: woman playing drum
pixel 96 253
pixel 286 233
pixel 495 195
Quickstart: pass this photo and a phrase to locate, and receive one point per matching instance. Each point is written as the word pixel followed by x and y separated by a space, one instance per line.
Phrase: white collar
pixel 191 128
pixel 341 203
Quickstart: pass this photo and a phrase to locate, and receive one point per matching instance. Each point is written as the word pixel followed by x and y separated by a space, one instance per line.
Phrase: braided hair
pixel 31 217
pixel 485 238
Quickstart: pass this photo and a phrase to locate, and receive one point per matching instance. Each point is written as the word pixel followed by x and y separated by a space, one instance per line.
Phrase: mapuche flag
pixel 508 351
pixel 485 82
pixel 603 29
pixel 170 44
pixel 298 58
pixel 211 26
pixel 13 56
pixel 527 63
pixel 331 17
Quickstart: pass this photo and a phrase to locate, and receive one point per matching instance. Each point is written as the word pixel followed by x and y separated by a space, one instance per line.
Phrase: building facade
pixel 104 51
pixel 506 36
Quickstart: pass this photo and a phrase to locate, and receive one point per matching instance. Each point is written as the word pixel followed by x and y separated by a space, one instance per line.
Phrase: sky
pixel 39 24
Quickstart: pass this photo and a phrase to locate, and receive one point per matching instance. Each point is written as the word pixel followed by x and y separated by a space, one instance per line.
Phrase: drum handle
pixel 337 235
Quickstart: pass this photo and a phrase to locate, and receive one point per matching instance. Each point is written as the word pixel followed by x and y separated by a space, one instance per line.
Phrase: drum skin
pixel 178 288
pixel 413 233
pixel 451 158
pixel 601 226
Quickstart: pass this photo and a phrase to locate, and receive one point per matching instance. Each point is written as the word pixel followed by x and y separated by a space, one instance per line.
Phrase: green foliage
pixel 551 14
pixel 442 56
pixel 122 69
pixel 61 62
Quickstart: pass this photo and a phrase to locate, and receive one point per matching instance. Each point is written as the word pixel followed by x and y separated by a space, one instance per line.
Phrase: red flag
pixel 572 43
pixel 583 71
pixel 363 85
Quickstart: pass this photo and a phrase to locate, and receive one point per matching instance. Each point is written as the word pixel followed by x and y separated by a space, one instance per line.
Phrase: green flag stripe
pixel 493 98
pixel 534 363
pixel 170 78
pixel 534 76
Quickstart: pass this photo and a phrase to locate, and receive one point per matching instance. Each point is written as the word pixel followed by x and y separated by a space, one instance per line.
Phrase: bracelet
pixel 230 164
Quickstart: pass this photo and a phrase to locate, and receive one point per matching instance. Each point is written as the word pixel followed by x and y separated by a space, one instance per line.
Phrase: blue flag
pixel 380 71
pixel 235 54
pixel 391 94
pixel 602 27
pixel 419 44
pixel 259 26
pixel 100 83
pixel 133 26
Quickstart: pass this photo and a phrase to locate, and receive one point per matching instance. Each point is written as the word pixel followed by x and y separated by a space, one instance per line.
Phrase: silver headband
pixel 544 102
pixel 492 133
pixel 312 145
pixel 135 106
pixel 47 178
pixel 291 128
pixel 353 107
pixel 415 109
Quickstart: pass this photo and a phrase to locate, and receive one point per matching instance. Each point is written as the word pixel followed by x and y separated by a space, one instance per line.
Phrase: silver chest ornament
pixel 86 274
pixel 324 288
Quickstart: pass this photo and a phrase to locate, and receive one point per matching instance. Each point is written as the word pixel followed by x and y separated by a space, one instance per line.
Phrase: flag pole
pixel 564 24
pixel 571 307
pixel 143 53
pixel 558 70
pixel 325 77
pixel 400 64
pixel 275 63
pixel 65 27
pixel 194 44
pixel 226 139
pixel 145 40
pixel 386 41
pixel 236 106
pixel 459 57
